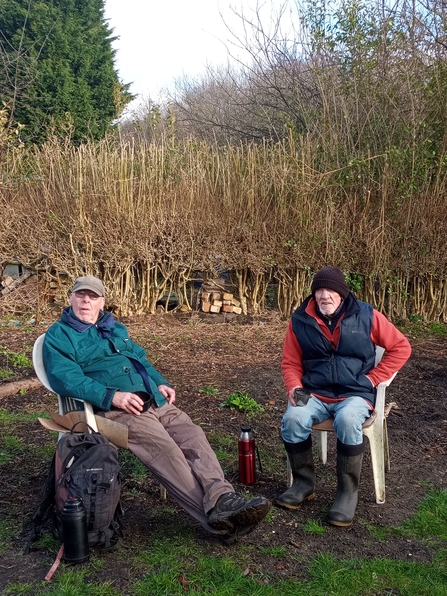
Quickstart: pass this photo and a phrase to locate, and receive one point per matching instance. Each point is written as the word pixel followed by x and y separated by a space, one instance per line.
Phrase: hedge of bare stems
pixel 359 183
pixel 150 219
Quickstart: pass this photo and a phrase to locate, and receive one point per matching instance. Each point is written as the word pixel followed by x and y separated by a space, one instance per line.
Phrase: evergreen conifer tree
pixel 57 68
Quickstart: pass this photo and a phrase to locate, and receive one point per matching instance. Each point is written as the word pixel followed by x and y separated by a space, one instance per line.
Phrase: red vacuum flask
pixel 247 461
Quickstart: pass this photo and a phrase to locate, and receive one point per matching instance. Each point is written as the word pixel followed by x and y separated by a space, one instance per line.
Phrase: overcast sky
pixel 161 40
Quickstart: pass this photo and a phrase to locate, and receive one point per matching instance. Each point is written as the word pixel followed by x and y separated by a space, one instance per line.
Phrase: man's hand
pixel 168 393
pixel 291 395
pixel 298 396
pixel 129 402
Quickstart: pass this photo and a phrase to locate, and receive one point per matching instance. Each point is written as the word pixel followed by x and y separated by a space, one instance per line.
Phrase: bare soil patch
pixel 241 355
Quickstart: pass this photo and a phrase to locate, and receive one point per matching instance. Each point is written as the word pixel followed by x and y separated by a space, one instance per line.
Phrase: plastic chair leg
pixel 321 437
pixel 289 473
pixel 386 448
pixel 376 444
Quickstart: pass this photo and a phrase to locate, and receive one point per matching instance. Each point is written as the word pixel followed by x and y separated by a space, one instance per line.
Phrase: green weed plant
pixel 208 390
pixel 437 328
pixel 243 402
pixel 5 374
pixel 313 526
pixel 15 358
pixel 274 551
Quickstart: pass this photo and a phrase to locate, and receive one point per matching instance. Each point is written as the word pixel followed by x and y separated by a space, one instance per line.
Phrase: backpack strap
pixel 85 423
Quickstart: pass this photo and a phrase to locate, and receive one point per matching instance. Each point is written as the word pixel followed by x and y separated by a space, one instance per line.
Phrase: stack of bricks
pixel 215 300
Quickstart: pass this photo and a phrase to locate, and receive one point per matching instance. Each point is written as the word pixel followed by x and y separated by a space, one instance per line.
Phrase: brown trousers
pixel 178 454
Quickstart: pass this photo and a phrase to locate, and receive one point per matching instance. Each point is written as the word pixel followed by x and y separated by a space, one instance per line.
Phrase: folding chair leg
pixel 376 444
pixel 162 492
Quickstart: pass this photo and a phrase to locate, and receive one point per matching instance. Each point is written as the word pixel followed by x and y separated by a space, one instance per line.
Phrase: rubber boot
pixel 349 466
pixel 303 470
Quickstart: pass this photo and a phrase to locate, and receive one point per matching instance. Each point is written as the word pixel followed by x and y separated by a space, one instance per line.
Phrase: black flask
pixel 74 531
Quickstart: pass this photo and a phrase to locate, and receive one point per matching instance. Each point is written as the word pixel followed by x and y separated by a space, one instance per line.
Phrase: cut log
pixel 16 386
pixel 215 296
pixel 206 306
pixel 218 303
pixel 227 296
pixel 227 308
pixel 237 310
pixel 235 302
pixel 214 309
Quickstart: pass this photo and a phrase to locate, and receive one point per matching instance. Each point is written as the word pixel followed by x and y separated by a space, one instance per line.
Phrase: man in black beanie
pixel 329 354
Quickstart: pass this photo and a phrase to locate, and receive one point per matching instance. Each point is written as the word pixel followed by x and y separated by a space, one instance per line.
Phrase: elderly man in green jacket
pixel 89 355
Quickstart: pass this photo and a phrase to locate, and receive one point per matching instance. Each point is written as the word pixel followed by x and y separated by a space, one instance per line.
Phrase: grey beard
pixel 333 313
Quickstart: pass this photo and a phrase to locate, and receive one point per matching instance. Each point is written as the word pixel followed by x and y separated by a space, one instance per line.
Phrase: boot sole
pixel 340 524
pixel 251 516
pixel 290 506
pixel 233 537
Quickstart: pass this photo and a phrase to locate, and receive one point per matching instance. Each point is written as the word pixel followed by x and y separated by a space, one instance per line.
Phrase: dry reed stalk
pixel 147 218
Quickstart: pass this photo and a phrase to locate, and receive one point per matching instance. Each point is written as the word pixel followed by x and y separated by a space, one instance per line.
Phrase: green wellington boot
pixel 303 470
pixel 349 466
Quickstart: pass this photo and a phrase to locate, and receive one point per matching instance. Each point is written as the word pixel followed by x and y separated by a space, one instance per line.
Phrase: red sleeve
pixel 397 348
pixel 292 362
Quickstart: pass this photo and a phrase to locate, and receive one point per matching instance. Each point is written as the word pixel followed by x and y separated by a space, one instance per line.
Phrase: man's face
pixel 86 305
pixel 328 301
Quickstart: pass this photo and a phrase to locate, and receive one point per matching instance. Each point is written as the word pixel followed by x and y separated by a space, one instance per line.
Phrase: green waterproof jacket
pixel 92 362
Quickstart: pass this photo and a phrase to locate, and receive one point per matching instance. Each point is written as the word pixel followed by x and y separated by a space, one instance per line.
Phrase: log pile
pixel 214 299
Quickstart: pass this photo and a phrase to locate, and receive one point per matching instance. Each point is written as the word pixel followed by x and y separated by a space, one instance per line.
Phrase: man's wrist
pixel 108 399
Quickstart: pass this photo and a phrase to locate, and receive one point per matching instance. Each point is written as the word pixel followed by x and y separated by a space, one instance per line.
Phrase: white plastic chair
pixel 374 428
pixel 67 404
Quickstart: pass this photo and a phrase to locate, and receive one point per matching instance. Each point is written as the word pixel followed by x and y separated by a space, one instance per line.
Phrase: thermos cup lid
pixel 245 429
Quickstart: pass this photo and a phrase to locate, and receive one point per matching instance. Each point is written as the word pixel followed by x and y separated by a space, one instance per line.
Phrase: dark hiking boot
pixel 349 466
pixel 233 535
pixel 303 471
pixel 232 510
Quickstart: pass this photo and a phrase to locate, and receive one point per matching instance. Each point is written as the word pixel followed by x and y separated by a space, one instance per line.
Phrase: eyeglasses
pixel 84 293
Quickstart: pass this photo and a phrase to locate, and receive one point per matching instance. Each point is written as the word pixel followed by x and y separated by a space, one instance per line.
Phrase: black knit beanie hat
pixel 331 278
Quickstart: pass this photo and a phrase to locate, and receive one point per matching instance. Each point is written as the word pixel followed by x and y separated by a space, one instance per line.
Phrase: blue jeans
pixel 349 415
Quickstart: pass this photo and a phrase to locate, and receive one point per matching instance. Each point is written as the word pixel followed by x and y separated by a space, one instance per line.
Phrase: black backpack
pixel 84 466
